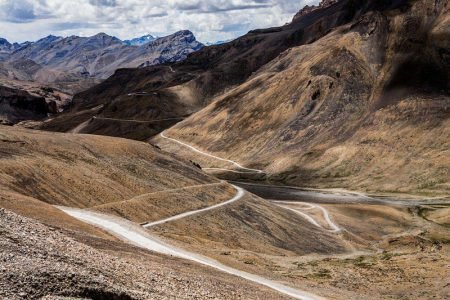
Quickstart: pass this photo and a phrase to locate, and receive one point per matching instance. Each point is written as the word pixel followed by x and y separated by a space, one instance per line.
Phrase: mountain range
pixel 75 63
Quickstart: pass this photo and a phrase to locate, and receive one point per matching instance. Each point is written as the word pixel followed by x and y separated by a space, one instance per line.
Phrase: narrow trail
pixel 212 156
pixel 83 125
pixel 240 193
pixel 134 234
pixel 138 94
pixel 306 216
pixel 80 127
pixel 333 226
pixel 228 170
pixel 137 121
pixel 165 191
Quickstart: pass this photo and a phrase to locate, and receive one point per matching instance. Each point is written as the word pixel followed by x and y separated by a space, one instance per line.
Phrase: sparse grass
pixel 321 274
pixel 386 255
pixel 362 262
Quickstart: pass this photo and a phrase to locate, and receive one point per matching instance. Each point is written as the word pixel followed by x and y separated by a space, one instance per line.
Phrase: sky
pixel 209 20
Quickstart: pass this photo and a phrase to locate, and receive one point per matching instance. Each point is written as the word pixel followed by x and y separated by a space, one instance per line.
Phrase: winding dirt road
pixel 212 156
pixel 333 226
pixel 80 127
pixel 229 170
pixel 137 121
pixel 240 193
pixel 136 235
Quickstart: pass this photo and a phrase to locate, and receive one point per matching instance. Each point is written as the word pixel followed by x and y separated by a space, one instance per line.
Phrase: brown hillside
pixel 366 107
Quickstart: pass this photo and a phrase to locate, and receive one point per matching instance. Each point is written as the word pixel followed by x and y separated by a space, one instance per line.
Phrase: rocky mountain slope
pixel 75 63
pixel 6 48
pixel 44 250
pixel 365 107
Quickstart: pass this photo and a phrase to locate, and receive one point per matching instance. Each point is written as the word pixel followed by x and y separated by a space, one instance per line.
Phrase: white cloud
pixel 210 20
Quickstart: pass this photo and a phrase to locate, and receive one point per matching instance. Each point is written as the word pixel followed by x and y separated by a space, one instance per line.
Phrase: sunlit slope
pixel 366 107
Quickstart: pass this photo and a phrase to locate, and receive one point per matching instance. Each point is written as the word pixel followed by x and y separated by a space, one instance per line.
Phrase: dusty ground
pixel 85 171
pixel 39 261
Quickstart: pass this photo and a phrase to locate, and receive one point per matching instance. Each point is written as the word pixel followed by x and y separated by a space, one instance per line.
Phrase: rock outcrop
pixel 310 8
pixel 18 105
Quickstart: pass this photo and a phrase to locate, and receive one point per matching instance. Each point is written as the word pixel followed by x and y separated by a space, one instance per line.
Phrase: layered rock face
pixel 18 105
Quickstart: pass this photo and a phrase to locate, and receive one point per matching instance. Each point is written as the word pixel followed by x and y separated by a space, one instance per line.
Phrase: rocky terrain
pixel 80 171
pixel 43 250
pixel 76 63
pixel 45 262
pixel 139 182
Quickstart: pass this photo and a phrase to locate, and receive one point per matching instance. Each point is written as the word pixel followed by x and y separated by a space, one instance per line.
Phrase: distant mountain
pixel 140 40
pixel 75 63
pixel 7 48
pixel 172 48
pixel 4 45
pixel 218 43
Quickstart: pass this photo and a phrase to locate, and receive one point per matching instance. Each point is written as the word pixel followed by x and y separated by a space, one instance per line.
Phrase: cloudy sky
pixel 210 20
